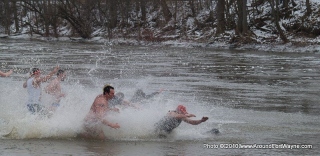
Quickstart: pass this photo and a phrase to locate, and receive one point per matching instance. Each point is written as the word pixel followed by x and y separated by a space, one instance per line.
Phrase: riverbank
pixel 188 26
pixel 297 45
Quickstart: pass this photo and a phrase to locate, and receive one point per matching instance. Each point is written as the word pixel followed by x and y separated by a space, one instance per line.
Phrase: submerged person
pixel 54 89
pixel 33 85
pixel 173 119
pixel 118 100
pixel 6 74
pixel 95 119
pixel 139 95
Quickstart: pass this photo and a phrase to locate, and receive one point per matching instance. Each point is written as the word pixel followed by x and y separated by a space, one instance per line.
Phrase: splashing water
pixel 66 121
pixel 228 87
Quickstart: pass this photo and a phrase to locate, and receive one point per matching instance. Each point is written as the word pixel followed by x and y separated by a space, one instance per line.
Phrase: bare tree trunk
pixel 242 16
pixel 127 14
pixel 113 14
pixel 230 21
pixel 143 10
pixel 285 3
pixel 165 9
pixel 208 3
pixel 285 6
pixel 192 7
pixel 55 20
pixel 175 12
pixel 220 16
pixel 275 13
pixel 46 17
pixel 7 17
pixel 293 3
pixel 15 15
pixel 308 8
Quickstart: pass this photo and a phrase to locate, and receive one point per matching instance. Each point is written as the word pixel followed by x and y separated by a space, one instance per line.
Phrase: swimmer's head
pixel 35 71
pixel 181 109
pixel 107 89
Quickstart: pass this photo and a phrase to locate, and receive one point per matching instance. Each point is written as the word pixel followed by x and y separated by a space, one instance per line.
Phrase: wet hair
pixel 106 89
pixel 60 71
pixel 33 70
pixel 140 93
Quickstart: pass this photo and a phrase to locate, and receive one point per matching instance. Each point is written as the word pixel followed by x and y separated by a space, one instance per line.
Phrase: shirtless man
pixel 6 74
pixel 95 119
pixel 54 89
pixel 173 119
pixel 33 85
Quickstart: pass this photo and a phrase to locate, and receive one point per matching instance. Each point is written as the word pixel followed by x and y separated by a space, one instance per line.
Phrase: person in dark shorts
pixel 139 95
pixel 173 119
pixel 118 99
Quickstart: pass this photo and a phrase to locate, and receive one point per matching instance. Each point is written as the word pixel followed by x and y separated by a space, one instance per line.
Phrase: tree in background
pixel 79 14
pixel 5 16
pixel 15 15
pixel 309 11
pixel 275 12
pixel 242 23
pixel 221 23
pixel 165 10
pixel 184 19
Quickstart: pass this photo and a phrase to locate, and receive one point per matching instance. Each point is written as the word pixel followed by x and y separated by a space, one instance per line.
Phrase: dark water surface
pixel 253 98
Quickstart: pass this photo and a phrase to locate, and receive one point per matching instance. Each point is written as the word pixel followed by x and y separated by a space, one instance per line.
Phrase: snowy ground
pixel 308 46
pixel 264 41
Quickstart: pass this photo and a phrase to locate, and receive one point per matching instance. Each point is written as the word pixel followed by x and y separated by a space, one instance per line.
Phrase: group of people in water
pixel 33 85
pixel 96 116
pixel 102 104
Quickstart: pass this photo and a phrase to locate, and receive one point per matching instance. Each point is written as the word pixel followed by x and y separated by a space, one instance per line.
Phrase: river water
pixel 269 100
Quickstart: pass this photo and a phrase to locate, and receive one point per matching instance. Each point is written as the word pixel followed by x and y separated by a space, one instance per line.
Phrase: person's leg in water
pixel 93 131
pixel 34 108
